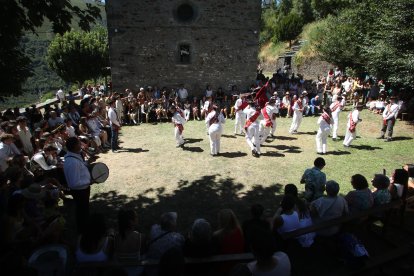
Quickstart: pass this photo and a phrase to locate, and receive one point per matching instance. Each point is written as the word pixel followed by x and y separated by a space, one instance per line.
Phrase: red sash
pixel 267 117
pixel 392 120
pixel 251 120
pixel 181 112
pixel 299 102
pixel 352 127
pixel 214 119
pixel 335 107
pixel 180 128
pixel 326 118
pixel 242 106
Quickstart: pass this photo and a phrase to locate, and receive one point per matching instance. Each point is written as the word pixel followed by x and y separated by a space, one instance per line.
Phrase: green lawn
pixel 151 174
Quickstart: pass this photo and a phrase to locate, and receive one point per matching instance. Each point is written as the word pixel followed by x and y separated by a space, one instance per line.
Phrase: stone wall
pixel 146 39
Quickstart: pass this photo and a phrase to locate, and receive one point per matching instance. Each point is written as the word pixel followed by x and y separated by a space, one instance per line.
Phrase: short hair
pixel 319 162
pixel 201 231
pixel 332 188
pixel 359 182
pixel 168 221
pixel 381 181
pixel 71 142
pixel 263 244
pixel 6 136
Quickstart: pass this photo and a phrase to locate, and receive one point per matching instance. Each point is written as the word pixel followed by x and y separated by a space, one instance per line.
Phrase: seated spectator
pixel 267 261
pixel 314 180
pixel 199 241
pixel 361 198
pixel 7 150
pixel 329 207
pixel 399 184
pixel 257 221
pixel 94 244
pixel 163 236
pixel 229 236
pixel 54 120
pixel 379 106
pixel 44 162
pixel 380 193
pixel 128 242
pixel 410 169
pixel 25 135
pixel 70 130
pixel 315 106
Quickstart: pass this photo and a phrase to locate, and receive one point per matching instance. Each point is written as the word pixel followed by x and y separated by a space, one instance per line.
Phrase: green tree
pixel 323 8
pixel 304 9
pixel 77 56
pixel 18 16
pixel 288 27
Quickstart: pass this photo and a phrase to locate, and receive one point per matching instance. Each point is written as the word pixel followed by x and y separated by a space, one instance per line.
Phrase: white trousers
pixel 273 127
pixel 187 114
pixel 240 121
pixel 321 138
pixel 349 137
pixel 252 137
pixel 263 132
pixel 297 119
pixel 178 137
pixel 335 118
pixel 215 131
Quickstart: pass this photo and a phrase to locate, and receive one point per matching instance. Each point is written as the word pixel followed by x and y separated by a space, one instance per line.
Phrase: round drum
pixel 99 172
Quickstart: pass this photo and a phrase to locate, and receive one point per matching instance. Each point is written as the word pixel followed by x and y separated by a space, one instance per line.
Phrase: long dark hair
pixel 125 217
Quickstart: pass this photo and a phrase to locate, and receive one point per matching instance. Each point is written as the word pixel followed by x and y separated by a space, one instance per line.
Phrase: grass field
pixel 154 176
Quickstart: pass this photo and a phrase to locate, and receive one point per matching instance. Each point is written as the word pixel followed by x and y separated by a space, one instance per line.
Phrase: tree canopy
pixel 77 56
pixel 19 16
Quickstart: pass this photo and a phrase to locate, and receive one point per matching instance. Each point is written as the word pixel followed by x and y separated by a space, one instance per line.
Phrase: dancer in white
pixel 252 128
pixel 336 107
pixel 214 122
pixel 267 124
pixel 325 123
pixel 207 108
pixel 297 115
pixel 178 121
pixel 353 120
pixel 239 106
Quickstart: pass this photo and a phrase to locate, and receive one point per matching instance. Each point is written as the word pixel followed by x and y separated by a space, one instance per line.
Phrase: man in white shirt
pixel 347 85
pixel 7 150
pixel 25 135
pixel 336 107
pixel 60 95
pixel 297 115
pixel 78 179
pixel 115 125
pixel 268 122
pixel 178 121
pixel 353 120
pixel 252 128
pixel 389 115
pixel 182 93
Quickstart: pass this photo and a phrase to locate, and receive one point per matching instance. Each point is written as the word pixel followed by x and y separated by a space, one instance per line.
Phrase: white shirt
pixel 76 172
pixel 355 117
pixel 39 158
pixel 209 93
pixel 286 101
pixel 390 111
pixel 25 137
pixel 270 110
pixel 113 117
pixel 338 109
pixel 206 105
pixel 211 115
pixel 237 104
pixel 323 125
pixel 178 119
pixel 60 94
pixel 347 86
pixel 250 112
pixel 71 131
pixel 182 93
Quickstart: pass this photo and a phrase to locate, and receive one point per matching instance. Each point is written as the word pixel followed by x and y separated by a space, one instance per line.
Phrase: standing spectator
pixel 115 125
pixel 182 93
pixel 78 180
pixel 60 95
pixel 389 116
pixel 25 135
pixel 314 180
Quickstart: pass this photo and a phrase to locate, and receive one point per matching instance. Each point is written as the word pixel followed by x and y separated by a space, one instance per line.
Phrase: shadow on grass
pixel 401 138
pixel 229 136
pixel 285 138
pixel 192 149
pixel 306 133
pixel 137 150
pixel 364 147
pixel 191 140
pixel 201 198
pixel 273 154
pixel 338 152
pixel 233 154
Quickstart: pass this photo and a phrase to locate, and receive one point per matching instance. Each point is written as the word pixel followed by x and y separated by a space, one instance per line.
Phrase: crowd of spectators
pixel 32 146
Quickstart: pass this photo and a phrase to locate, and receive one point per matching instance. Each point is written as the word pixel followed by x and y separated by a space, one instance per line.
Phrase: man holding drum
pixel 78 179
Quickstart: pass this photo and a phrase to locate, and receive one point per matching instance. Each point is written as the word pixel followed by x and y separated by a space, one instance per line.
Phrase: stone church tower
pixel 190 42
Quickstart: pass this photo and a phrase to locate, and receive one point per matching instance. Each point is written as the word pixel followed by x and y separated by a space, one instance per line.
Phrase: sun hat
pixel 34 191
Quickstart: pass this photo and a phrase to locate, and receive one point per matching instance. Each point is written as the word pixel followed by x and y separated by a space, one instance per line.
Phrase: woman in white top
pixel 209 91
pixel 94 245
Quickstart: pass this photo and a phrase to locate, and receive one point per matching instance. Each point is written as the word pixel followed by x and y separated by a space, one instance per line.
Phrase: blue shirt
pixel 76 172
